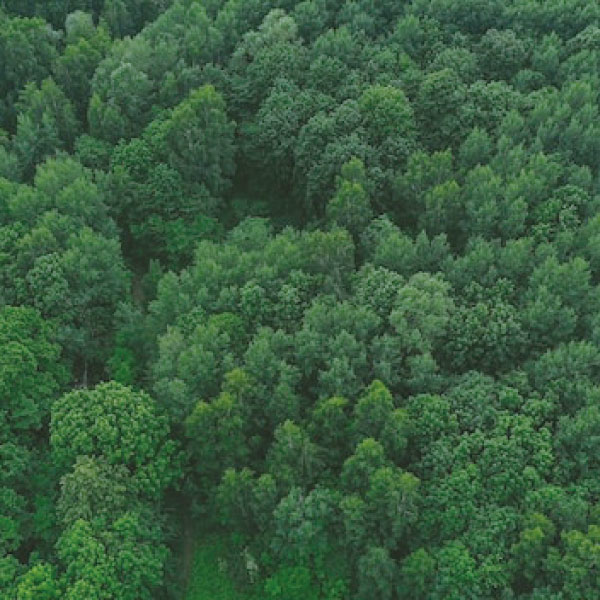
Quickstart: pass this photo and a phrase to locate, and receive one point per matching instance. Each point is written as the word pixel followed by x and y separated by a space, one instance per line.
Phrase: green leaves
pixel 125 560
pixel 217 438
pixel 27 49
pixel 291 583
pixel 40 581
pixel 364 250
pixel 386 113
pixel 350 207
pixel 123 427
pixel 46 124
pixel 31 374
pixel 293 458
pixel 113 447
pixel 199 140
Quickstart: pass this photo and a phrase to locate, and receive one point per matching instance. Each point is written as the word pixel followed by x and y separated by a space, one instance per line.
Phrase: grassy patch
pixel 208 581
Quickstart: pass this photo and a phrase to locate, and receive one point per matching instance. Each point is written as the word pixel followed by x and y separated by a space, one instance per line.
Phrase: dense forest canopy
pixel 318 278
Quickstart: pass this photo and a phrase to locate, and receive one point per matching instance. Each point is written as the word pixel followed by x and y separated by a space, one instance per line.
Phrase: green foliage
pixel 165 185
pixel 124 560
pixel 120 426
pixel 350 207
pixel 216 438
pixel 39 582
pixel 67 261
pixel 31 377
pixel 352 250
pixel 46 124
pixel 31 374
pixel 27 49
pixel 199 140
pixel 293 583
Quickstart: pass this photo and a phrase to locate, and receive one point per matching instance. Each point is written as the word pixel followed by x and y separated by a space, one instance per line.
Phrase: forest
pixel 299 300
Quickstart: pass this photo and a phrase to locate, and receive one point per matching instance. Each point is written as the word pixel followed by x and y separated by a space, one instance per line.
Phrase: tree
pixel 423 173
pixel 195 363
pixel 566 374
pixel 457 574
pixel 293 458
pixel 416 573
pixel 31 373
pixel 291 583
pixel 74 68
pixel 331 346
pixel 439 102
pixel 217 439
pixel 486 336
pixel 375 417
pixel 269 140
pixel 40 581
pixel 124 560
pixel 27 49
pixel 474 16
pixel 386 113
pixel 350 207
pixel 357 469
pixel 531 549
pixel 377 571
pixel 305 530
pixel 66 261
pixel 392 504
pixel 166 185
pixel 97 280
pixel 31 377
pixel 329 427
pixel 351 248
pixel 94 489
pixel 113 423
pixel 501 54
pixel 199 141
pixel 574 565
pixel 422 311
pixel 325 143
pixel 46 124
pixel 575 440
pixel 246 503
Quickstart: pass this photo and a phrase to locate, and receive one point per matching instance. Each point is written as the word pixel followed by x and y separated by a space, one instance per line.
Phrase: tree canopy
pixel 318 280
